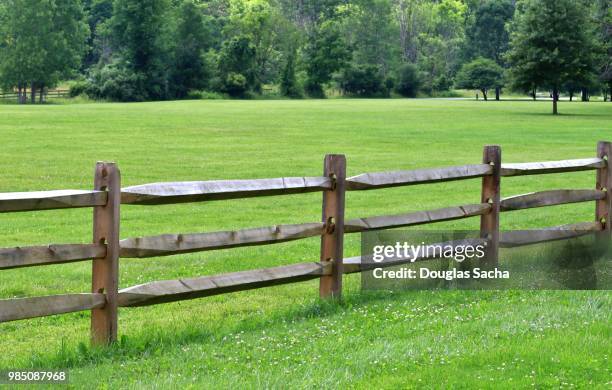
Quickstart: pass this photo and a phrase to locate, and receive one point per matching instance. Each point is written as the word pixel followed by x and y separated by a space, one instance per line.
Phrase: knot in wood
pixel 330 225
pixel 334 181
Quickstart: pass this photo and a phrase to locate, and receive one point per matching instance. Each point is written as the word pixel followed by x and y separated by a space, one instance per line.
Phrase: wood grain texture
pixel 49 200
pixel 105 271
pixel 370 181
pixel 50 254
pixel 176 290
pixel 549 198
pixel 22 308
pixel 603 207
pixel 545 167
pixel 528 237
pixel 365 263
pixel 491 193
pixel 332 240
pixel 416 218
pixel 172 244
pixel 195 191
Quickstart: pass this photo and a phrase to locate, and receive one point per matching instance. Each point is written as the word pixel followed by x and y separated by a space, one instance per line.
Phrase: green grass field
pixel 284 336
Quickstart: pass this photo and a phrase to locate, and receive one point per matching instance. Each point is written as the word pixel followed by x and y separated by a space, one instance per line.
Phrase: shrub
pixel 314 89
pixel 409 81
pixel 235 84
pixel 78 88
pixel 362 80
pixel 115 82
pixel 205 95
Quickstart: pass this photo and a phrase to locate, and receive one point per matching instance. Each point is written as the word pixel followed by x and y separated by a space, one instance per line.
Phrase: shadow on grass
pixel 151 342
pixel 559 115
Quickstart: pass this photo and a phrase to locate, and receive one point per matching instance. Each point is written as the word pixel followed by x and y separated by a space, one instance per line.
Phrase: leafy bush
pixel 409 81
pixel 78 88
pixel 362 80
pixel 235 84
pixel 205 95
pixel 314 89
pixel 115 82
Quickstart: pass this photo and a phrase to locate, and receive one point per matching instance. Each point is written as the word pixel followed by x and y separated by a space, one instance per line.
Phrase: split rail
pixel 107 248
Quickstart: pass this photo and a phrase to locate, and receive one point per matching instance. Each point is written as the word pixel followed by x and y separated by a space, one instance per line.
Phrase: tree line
pixel 139 50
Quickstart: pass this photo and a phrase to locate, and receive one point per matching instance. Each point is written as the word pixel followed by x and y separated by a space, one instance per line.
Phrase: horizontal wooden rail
pixel 370 181
pixel 50 254
pixel 172 244
pixel 176 290
pixel 549 198
pixel 545 167
pixel 357 263
pixel 528 237
pixel 22 308
pixel 195 191
pixel 48 200
pixel 416 218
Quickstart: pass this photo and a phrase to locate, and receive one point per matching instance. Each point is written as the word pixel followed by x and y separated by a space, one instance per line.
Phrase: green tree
pixel 481 74
pixel 43 41
pixel 289 85
pixel 141 36
pixel 544 51
pixel 369 28
pixel 262 21
pixel 192 41
pixel 325 53
pixel 487 36
pixel 440 42
pixel 238 65
pixel 409 82
pixel 98 13
pixel 603 17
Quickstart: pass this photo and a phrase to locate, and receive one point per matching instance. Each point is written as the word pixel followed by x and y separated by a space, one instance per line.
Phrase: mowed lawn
pixel 284 336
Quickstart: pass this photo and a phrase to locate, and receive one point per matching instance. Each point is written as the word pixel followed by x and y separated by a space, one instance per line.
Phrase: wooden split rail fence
pixel 51 93
pixel 106 248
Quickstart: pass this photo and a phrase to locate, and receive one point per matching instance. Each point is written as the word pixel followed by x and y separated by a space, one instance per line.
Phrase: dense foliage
pixel 134 50
pixel 545 53
pixel 481 74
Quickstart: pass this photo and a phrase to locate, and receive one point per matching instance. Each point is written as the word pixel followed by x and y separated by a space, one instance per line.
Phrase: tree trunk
pixel 555 97
pixel 19 94
pixel 497 92
pixel 409 52
pixel 585 95
pixel 533 94
pixel 33 93
pixel 24 94
pixel 42 90
pixel 571 96
pixel 484 94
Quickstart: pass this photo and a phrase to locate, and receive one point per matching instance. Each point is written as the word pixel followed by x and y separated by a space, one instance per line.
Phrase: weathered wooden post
pixel 332 240
pixel 105 273
pixel 489 223
pixel 603 208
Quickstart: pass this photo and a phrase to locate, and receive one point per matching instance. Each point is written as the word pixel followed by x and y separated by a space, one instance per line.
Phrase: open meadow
pixel 285 336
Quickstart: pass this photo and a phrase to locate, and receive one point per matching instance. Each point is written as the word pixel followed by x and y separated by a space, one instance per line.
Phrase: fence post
pixel 489 223
pixel 332 240
pixel 105 272
pixel 603 208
